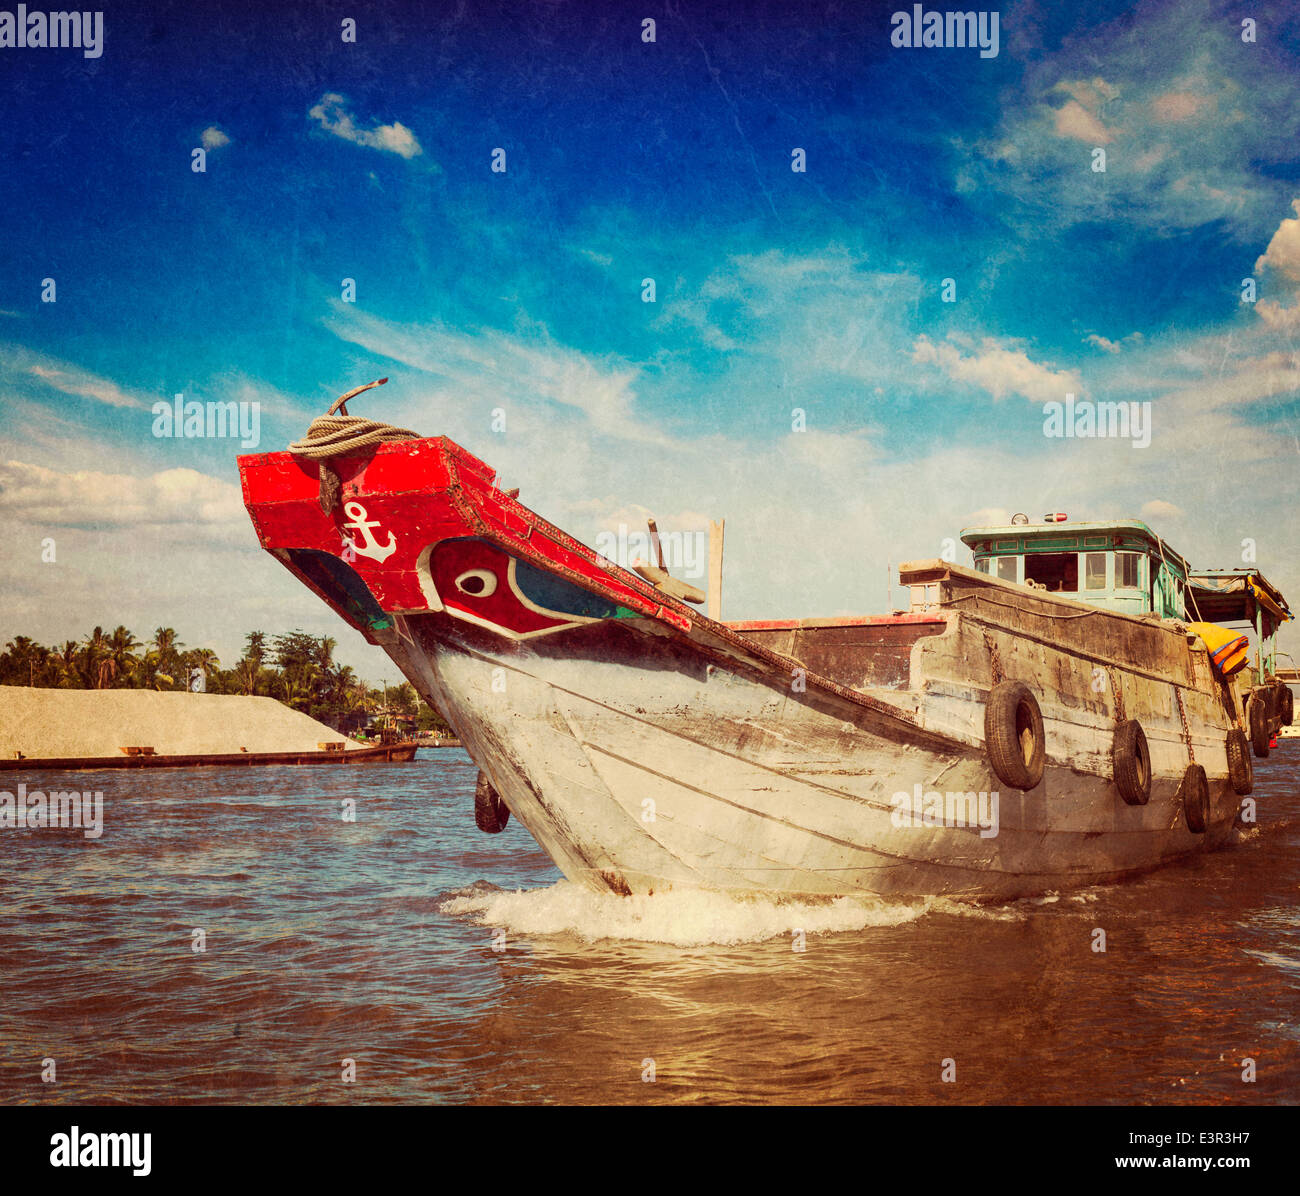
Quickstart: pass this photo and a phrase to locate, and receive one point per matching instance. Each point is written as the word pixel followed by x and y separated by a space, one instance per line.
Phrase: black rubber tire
pixel 1196 799
pixel 1288 706
pixel 1259 723
pixel 1241 772
pixel 1131 763
pixel 490 813
pixel 1013 735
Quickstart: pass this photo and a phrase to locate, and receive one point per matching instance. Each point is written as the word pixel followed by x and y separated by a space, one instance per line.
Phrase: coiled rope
pixel 336 433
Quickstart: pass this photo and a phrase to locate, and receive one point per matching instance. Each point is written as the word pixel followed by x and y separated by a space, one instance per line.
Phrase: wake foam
pixel 688 918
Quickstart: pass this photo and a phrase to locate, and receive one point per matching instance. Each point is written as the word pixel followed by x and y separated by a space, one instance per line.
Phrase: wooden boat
pixel 380 753
pixel 1042 721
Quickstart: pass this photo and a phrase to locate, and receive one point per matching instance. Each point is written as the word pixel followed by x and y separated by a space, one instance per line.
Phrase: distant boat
pixel 1046 720
pixel 44 728
pixel 384 753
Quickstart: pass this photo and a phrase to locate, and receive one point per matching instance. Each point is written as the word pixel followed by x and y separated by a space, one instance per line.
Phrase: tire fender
pixel 490 813
pixel 1196 799
pixel 1131 763
pixel 1259 722
pixel 1241 772
pixel 1013 735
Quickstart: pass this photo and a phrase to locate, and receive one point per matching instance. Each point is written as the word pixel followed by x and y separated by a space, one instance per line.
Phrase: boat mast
pixel 717 530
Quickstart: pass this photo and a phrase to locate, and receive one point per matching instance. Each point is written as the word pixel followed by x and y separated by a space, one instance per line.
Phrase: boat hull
pixel 640 770
pixel 648 748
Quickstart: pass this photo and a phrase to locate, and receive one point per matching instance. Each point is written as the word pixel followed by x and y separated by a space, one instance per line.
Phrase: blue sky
pixel 819 290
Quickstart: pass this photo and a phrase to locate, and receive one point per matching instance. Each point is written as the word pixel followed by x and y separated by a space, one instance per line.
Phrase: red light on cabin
pixel 1055 517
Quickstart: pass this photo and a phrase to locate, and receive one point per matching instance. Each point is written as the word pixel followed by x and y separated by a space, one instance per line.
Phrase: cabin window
pixel 1008 568
pixel 1126 570
pixel 1054 571
pixel 982 565
pixel 1094 570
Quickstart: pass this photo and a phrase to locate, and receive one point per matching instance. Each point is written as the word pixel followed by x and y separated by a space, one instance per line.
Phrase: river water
pixel 452 966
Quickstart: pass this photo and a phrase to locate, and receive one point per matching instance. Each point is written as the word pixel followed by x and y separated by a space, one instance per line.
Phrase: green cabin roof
pixel 1218 595
pixel 1068 535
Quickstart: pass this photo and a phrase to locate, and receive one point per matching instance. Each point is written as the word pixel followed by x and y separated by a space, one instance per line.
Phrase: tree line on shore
pixel 296 668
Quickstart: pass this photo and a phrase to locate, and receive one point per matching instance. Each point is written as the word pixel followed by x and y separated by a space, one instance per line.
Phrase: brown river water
pixel 454 967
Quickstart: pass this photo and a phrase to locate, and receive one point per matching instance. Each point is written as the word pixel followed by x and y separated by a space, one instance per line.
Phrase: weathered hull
pixel 648 748
pixel 639 769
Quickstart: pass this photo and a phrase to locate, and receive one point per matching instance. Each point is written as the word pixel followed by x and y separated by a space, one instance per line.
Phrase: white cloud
pixel 396 138
pixel 1175 106
pixel 513 372
pixel 1282 259
pixel 1278 316
pixel 1189 132
pixel 987 517
pixel 815 316
pixel 1101 342
pixel 1254 379
pixel 1106 345
pixel 74 381
pixel 1073 120
pixel 999 370
pixel 214 138
pixel 198 505
pixel 1283 252
pixel 1158 509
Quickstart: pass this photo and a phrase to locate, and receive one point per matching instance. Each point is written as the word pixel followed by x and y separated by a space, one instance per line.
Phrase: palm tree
pixel 323 662
pixel 201 658
pixel 97 666
pixel 168 645
pixel 248 670
pixel 121 648
pixel 340 679
pixel 66 665
pixel 165 660
pixel 297 693
pixel 20 662
pixel 325 653
pixel 246 675
pixel 404 699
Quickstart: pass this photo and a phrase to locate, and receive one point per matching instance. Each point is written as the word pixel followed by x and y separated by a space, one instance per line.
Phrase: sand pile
pixel 80 722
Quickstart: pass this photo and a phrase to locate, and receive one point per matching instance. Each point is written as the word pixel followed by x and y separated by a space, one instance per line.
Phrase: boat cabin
pixel 1120 565
pixel 1245 599
pixel 1123 565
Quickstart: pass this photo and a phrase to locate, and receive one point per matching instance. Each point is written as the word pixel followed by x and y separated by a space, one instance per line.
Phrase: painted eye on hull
pixel 477 583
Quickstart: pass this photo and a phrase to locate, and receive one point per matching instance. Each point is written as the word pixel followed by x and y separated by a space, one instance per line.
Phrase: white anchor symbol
pixel 371 547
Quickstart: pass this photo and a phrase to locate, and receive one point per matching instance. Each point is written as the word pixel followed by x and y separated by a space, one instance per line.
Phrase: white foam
pixel 957 908
pixel 682 918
